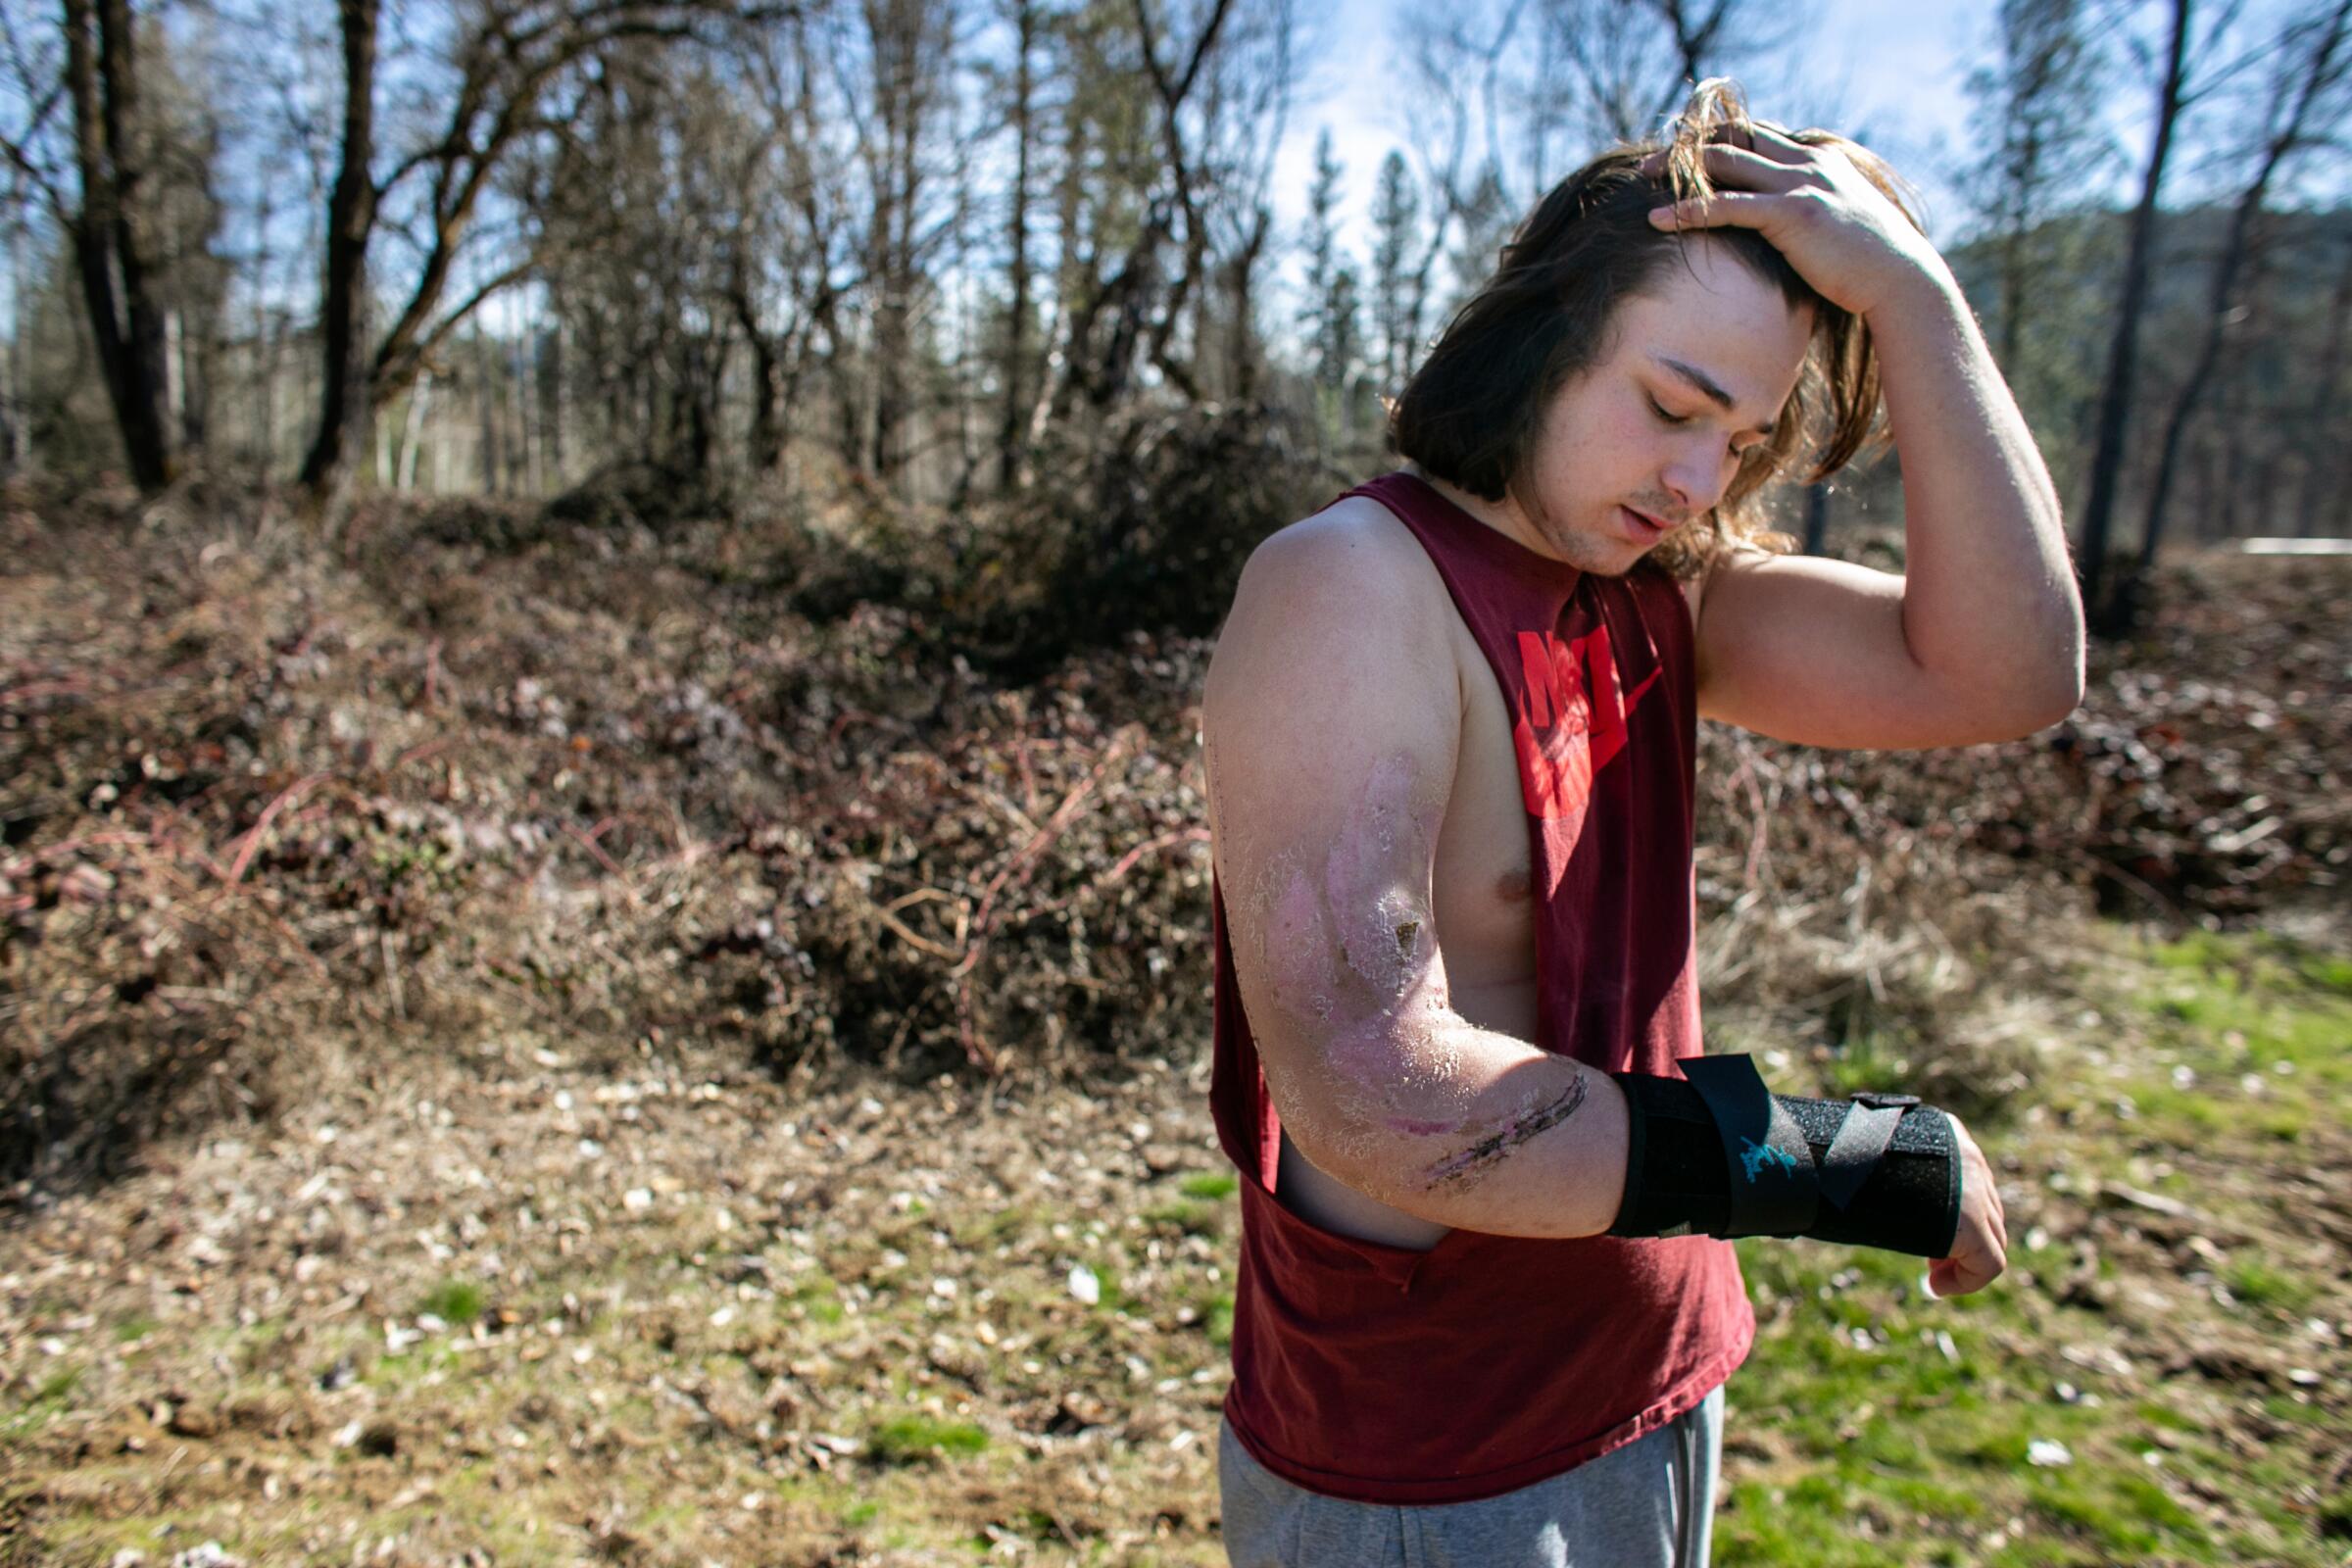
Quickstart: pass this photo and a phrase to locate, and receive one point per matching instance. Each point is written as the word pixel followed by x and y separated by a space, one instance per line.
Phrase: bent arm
pixel 1332 720
pixel 1990 604
pixel 1983 637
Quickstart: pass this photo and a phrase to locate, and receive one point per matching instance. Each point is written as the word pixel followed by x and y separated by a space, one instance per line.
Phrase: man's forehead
pixel 1733 358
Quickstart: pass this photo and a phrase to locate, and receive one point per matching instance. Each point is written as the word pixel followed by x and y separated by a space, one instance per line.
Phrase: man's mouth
pixel 1644 526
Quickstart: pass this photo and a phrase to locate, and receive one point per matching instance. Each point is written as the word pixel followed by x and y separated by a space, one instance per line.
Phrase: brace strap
pixel 1775 1186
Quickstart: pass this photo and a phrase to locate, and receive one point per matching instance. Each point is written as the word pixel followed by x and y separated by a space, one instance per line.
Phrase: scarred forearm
pixel 1464 1127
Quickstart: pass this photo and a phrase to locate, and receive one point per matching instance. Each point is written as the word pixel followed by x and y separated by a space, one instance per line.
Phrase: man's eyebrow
pixel 1705 383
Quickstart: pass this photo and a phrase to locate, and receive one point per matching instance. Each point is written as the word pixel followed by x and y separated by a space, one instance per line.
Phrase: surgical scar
pixel 1480 1157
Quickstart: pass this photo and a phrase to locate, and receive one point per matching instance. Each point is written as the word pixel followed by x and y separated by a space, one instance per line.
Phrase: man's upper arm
pixel 1331 721
pixel 1815 651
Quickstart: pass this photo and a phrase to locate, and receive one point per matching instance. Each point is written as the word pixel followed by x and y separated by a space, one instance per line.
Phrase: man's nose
pixel 1695 483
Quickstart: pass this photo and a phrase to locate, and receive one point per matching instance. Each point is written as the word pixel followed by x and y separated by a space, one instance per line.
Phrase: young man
pixel 1485 1308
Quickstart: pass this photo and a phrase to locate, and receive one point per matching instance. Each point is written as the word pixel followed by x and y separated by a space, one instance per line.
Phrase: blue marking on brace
pixel 1753 1155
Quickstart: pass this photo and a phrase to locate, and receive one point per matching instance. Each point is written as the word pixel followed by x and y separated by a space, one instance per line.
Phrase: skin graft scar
pixel 1348 946
pixel 1352 950
pixel 1466 1166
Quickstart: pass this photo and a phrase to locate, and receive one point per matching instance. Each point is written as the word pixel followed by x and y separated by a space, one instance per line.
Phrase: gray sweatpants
pixel 1650 1504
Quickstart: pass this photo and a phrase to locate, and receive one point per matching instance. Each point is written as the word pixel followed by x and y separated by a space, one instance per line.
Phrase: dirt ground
pixel 501 1303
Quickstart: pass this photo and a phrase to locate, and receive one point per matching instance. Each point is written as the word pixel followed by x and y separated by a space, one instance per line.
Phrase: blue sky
pixel 1892 75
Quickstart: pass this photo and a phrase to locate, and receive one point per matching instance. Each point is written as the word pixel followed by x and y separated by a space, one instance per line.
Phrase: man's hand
pixel 1980 1248
pixel 1844 235
pixel 1982 638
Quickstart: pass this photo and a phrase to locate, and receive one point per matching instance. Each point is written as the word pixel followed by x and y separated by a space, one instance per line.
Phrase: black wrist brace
pixel 1716 1154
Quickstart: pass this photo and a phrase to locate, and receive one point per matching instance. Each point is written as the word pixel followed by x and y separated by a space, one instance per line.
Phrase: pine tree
pixel 1397 293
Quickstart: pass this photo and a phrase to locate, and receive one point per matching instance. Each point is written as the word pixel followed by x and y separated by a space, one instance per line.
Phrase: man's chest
pixel 1481 875
pixel 1563 710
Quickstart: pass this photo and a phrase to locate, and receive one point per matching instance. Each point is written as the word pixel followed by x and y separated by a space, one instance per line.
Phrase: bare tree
pixel 1400 287
pixel 87 147
pixel 1508 95
pixel 2045 149
pixel 2176 92
pixel 1026 18
pixel 907 44
pixel 1124 318
pixel 2323 460
pixel 506 60
pixel 2311 72
pixel 1242 110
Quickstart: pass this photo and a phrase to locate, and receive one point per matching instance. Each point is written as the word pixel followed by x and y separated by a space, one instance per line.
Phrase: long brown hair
pixel 1471 412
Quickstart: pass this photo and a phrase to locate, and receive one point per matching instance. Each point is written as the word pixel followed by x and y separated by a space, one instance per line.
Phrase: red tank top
pixel 1490 1362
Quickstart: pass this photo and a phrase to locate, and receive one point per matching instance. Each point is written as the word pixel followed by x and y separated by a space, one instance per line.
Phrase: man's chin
pixel 1603 556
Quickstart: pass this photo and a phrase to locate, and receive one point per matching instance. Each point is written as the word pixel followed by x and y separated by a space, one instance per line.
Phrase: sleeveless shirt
pixel 1390 1375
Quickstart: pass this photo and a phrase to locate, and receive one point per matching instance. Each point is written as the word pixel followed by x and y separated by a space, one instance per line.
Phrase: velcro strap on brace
pixel 1862 1137
pixel 1775 1189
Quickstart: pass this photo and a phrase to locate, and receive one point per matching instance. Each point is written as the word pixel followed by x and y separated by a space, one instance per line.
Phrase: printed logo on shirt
pixel 1571 722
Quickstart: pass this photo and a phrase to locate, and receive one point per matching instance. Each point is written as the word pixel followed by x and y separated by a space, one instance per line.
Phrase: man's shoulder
pixel 1356 546
pixel 1343 600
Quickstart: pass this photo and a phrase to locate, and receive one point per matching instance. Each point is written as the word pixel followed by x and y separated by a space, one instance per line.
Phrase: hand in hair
pixel 1840 228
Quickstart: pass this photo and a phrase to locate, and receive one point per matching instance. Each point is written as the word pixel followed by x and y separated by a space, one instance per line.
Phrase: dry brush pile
pixel 482 765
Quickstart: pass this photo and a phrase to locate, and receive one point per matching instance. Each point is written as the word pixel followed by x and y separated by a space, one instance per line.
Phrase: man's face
pixel 1698 367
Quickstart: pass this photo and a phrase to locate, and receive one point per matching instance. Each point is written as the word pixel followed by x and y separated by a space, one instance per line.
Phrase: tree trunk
pixel 1241 278
pixel 265 339
pixel 346 402
pixel 118 278
pixel 767 425
pixel 897 31
pixel 519 389
pixel 2241 250
pixel 556 403
pixel 486 412
pixel 2014 284
pixel 418 396
pixel 2122 354
pixel 1017 327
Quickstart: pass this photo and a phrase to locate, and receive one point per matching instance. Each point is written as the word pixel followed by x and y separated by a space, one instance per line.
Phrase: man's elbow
pixel 2055 700
pixel 2031 694
pixel 2008 712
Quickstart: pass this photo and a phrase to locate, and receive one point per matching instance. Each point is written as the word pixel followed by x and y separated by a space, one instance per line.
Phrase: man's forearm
pixel 1465 1127
pixel 1477 1131
pixel 1989 604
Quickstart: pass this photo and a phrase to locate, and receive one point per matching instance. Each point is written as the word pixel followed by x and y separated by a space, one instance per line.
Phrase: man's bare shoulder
pixel 1354 556
pixel 1336 654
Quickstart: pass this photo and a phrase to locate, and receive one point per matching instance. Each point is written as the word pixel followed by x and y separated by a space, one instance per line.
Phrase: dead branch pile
pixel 265 810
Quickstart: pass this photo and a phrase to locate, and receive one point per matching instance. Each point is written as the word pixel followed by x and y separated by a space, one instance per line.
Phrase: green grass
pixel 820 1297
pixel 1217 1318
pixel 2256 1282
pixel 1208 1186
pixel 1932 1449
pixel 417 1364
pixel 1182 1216
pixel 457 1302
pixel 49 1399
pixel 907 1438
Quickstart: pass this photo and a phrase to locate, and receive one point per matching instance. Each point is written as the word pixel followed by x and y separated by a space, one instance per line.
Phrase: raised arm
pixel 1332 720
pixel 1983 638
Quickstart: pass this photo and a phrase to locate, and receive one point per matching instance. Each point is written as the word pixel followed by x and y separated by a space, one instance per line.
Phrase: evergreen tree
pixel 1397 292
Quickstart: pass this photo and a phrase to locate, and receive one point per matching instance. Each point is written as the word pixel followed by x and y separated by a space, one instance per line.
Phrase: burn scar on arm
pixel 1466 1166
pixel 1350 952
